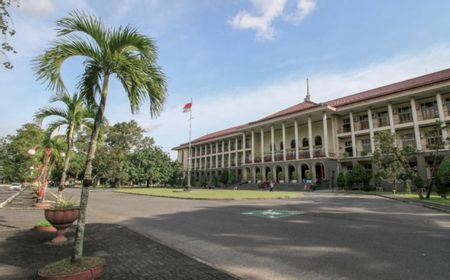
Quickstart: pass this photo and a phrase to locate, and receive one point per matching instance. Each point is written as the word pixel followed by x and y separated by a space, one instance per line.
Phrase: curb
pixel 11 198
pixel 424 204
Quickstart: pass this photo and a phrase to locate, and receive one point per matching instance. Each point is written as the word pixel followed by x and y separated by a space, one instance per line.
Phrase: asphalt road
pixel 333 236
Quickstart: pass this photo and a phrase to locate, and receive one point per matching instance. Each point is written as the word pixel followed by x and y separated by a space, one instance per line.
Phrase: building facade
pixel 319 140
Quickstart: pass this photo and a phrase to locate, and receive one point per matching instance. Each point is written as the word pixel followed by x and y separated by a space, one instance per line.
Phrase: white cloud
pixel 239 106
pixel 304 8
pixel 268 11
pixel 37 7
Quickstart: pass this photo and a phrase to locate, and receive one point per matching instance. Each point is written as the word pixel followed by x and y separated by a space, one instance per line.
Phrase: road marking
pixel 272 213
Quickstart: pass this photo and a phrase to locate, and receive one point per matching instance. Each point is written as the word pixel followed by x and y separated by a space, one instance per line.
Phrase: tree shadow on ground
pixel 128 254
pixel 357 237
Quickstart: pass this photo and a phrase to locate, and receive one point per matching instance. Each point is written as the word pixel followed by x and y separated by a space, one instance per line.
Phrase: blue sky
pixel 240 59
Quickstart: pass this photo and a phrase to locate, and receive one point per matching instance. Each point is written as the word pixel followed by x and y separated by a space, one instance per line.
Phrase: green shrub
pixel 443 179
pixel 258 176
pixel 43 223
pixel 341 180
pixel 294 176
pixel 280 176
pixel 231 178
pixel 349 180
pixel 418 182
pixel 308 175
pixel 269 175
pixel 224 177
pixel 361 176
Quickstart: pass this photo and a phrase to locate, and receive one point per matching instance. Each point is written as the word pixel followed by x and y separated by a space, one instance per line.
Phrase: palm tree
pixel 73 116
pixel 122 52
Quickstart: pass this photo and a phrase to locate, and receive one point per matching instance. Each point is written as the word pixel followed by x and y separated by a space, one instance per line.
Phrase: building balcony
pixel 381 122
pixel 362 125
pixel 319 152
pixel 268 158
pixel 404 118
pixel 408 142
pixel 345 129
pixel 303 154
pixel 429 113
pixel 257 159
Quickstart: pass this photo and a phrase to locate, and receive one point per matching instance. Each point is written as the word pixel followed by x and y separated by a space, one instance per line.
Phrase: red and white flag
pixel 187 107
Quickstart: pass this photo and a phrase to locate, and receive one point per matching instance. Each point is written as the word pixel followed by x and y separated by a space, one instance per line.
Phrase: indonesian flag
pixel 187 107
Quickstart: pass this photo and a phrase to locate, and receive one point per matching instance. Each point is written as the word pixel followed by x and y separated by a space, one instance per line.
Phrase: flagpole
pixel 189 150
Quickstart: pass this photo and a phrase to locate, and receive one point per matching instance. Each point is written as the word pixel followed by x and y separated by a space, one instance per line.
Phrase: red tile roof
pixel 420 81
pixel 219 133
pixel 424 80
pixel 293 109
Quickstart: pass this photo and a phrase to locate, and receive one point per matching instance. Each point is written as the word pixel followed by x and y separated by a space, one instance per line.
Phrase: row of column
pixel 283 132
pixel 392 125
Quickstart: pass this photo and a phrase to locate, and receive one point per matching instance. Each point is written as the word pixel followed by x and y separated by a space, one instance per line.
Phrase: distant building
pixel 326 138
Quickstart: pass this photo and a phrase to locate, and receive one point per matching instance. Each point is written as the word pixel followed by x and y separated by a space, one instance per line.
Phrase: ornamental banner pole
pixel 189 150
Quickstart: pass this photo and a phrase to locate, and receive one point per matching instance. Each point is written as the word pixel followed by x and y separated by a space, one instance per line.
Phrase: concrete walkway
pixel 334 236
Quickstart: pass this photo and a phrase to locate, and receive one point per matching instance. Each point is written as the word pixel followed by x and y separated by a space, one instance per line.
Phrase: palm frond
pixel 46 112
pixel 80 21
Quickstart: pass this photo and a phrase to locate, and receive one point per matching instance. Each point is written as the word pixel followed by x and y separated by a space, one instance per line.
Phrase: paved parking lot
pixel 330 236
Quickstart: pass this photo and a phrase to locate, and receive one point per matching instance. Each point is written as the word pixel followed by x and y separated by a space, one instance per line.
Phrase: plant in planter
pixel 281 177
pixel 308 176
pixel 258 177
pixel 294 177
pixel 61 215
pixel 44 226
pixel 269 176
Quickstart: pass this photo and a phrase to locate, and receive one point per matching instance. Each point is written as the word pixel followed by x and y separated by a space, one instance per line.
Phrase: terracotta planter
pixel 88 274
pixel 42 205
pixel 45 228
pixel 61 219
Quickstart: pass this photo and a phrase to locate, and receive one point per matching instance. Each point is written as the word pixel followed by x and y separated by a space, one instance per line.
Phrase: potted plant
pixel 258 177
pixel 61 215
pixel 280 177
pixel 294 177
pixel 44 226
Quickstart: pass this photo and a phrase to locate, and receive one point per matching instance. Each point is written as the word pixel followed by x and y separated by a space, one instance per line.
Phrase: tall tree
pixel 7 30
pixel 73 116
pixel 123 52
pixel 390 158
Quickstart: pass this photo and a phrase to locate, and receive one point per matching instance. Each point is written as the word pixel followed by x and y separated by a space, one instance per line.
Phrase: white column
pixel 217 154
pixel 371 134
pixel 334 135
pixel 442 118
pixel 262 145
pixel 210 156
pixel 253 146
pixel 416 125
pixel 236 153
pixel 310 138
pixel 352 129
pixel 272 142
pixel 223 154
pixel 283 131
pixel 391 118
pixel 296 138
pixel 229 152
pixel 243 149
pixel 325 132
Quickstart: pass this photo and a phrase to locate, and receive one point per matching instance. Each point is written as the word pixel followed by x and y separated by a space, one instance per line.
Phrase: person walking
pixel 271 184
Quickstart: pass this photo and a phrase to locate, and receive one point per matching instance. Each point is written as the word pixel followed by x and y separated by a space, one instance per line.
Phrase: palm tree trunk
pixel 77 253
pixel 67 158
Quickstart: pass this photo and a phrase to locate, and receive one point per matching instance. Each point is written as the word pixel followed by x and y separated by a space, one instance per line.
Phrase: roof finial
pixel 308 97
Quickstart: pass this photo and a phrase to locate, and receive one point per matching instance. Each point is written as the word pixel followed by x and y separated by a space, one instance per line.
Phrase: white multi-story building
pixel 326 138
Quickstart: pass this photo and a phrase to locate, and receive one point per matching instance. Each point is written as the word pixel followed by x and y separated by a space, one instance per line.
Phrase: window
pixel 429 110
pixel 366 145
pixel 305 142
pixel 363 122
pixel 318 141
pixel 348 148
pixel 293 144
pixel 383 119
pixel 433 138
pixel 408 140
pixel 404 114
pixel 346 125
pixel 281 146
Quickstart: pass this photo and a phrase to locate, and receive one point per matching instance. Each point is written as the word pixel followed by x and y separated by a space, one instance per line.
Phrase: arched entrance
pixel 239 175
pixel 320 171
pixel 268 173
pixel 279 175
pixel 306 173
pixel 258 174
pixel 292 176
pixel 247 175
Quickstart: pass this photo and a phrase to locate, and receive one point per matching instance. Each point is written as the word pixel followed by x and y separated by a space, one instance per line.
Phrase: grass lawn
pixel 433 198
pixel 209 194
